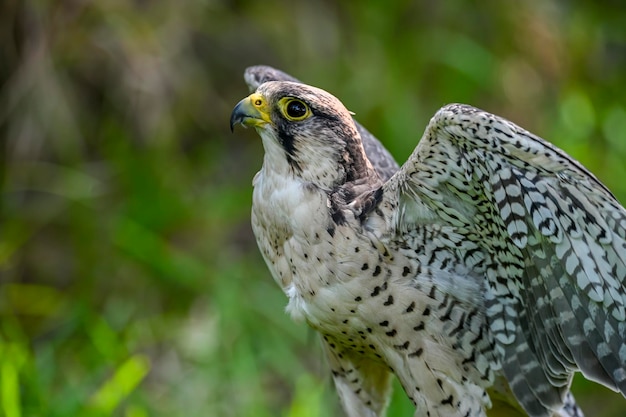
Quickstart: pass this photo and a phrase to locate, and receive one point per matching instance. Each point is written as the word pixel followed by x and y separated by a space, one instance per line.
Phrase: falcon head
pixel 306 132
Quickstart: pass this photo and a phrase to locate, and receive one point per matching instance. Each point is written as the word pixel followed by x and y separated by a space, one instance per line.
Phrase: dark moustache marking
pixel 287 141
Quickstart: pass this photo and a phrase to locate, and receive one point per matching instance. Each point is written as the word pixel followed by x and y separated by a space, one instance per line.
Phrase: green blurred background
pixel 130 283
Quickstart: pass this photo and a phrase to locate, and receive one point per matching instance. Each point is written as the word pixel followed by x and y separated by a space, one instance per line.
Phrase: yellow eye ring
pixel 294 109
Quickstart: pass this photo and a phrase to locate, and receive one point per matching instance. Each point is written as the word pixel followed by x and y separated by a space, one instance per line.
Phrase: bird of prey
pixel 487 270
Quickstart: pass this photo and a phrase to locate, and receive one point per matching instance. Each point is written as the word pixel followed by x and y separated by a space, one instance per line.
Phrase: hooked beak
pixel 251 111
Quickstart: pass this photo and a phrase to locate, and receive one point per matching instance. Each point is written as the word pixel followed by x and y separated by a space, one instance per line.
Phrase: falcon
pixel 483 273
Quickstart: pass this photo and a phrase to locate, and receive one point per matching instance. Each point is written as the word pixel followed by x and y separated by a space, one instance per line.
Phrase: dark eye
pixel 296 109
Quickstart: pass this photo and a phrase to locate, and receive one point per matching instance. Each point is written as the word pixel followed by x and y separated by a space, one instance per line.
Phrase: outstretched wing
pixel 552 241
pixel 379 157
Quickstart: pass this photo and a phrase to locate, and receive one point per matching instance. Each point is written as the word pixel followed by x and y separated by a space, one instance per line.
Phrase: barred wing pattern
pixel 552 244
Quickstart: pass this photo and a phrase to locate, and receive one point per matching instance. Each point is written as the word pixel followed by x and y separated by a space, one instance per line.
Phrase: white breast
pixel 287 216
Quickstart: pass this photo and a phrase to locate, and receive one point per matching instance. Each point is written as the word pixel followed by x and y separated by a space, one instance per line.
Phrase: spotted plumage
pixel 485 271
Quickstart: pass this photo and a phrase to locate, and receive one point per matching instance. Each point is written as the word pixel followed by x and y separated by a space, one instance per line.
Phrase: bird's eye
pixel 296 110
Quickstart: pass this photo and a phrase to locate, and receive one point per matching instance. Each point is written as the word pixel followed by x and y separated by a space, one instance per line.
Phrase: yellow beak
pixel 251 111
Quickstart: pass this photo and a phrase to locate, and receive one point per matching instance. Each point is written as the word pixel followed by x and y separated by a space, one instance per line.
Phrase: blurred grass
pixel 130 283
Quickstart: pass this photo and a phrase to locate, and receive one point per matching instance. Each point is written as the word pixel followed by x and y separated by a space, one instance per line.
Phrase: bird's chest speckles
pixel 313 259
pixel 289 220
pixel 368 296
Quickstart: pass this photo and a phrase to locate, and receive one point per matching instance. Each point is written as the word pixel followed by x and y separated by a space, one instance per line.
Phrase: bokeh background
pixel 130 283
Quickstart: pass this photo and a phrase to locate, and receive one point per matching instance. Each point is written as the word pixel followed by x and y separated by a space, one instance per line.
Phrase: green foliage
pixel 130 283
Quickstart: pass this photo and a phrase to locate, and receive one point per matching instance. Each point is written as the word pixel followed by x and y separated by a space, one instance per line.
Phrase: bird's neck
pixel 328 168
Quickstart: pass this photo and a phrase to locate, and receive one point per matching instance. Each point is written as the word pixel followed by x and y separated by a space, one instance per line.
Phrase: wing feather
pixel 553 239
